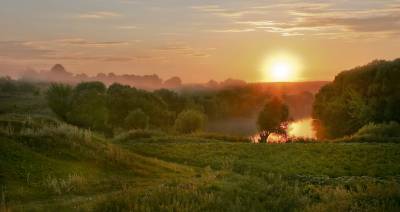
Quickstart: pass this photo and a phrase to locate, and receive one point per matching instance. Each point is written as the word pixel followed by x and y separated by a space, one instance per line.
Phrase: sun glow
pixel 301 128
pixel 281 71
pixel 281 68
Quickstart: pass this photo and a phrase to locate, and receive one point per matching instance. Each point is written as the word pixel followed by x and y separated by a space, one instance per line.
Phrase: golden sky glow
pixel 281 67
pixel 199 40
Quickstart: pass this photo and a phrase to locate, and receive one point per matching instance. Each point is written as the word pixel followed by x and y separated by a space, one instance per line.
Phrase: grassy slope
pixel 64 168
pixel 251 177
pixel 189 174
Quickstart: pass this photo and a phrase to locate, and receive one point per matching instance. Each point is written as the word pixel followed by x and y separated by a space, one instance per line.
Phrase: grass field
pixel 62 167
pixel 46 165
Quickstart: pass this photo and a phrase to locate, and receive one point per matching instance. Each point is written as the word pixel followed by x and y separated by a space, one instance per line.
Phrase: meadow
pixel 48 165
pixel 60 167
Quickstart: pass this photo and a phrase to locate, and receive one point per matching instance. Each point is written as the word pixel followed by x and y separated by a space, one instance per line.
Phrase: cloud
pixel 331 19
pixel 83 42
pixel 57 50
pixel 99 15
pixel 22 50
pixel 104 58
pixel 184 49
pixel 174 47
pixel 234 30
pixel 85 57
pixel 126 27
pixel 218 10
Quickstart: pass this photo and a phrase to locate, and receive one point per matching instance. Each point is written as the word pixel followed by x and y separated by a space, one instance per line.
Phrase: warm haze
pixel 199 105
pixel 258 40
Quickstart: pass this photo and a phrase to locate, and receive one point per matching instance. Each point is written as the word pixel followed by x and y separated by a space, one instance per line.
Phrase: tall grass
pixel 3 201
pixel 72 183
pixel 230 192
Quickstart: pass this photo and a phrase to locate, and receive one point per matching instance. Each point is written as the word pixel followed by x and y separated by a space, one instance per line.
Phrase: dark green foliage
pixel 59 99
pixel 362 95
pixel 174 102
pixel 92 105
pixel 8 85
pixel 123 99
pixel 133 135
pixel 136 119
pixel 391 129
pixel 222 137
pixel 230 102
pixel 272 118
pixel 88 106
pixel 189 121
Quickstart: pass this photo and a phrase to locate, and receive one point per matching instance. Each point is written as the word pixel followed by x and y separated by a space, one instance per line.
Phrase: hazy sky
pixel 197 40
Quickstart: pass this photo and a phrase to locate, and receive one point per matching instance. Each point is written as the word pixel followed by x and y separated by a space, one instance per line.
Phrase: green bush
pixel 59 99
pixel 88 106
pixel 189 121
pixel 138 134
pixel 391 129
pixel 136 119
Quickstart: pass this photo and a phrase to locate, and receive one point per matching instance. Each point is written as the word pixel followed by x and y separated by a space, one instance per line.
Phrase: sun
pixel 281 71
pixel 281 68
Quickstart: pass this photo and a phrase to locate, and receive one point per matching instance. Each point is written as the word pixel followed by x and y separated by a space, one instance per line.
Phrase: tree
pixel 122 99
pixel 172 99
pixel 59 99
pixel 136 119
pixel 272 118
pixel 119 101
pixel 88 106
pixel 190 121
pixel 357 97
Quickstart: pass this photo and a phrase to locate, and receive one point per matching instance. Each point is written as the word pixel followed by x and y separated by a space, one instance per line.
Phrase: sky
pixel 199 40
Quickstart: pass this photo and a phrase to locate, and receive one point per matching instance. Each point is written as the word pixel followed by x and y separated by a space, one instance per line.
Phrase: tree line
pixel 363 95
pixel 93 105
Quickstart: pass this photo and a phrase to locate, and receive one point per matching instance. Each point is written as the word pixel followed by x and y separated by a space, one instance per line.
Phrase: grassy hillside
pixel 47 165
pixel 57 166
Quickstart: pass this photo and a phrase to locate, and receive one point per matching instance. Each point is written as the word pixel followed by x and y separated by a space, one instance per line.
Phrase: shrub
pixel 59 99
pixel 138 134
pixel 136 119
pixel 189 121
pixel 88 106
pixel 391 129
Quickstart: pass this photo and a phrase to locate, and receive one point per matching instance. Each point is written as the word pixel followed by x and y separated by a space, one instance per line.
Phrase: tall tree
pixel 272 118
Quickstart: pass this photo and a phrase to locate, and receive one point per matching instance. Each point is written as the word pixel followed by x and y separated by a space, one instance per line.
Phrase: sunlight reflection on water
pixel 299 129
